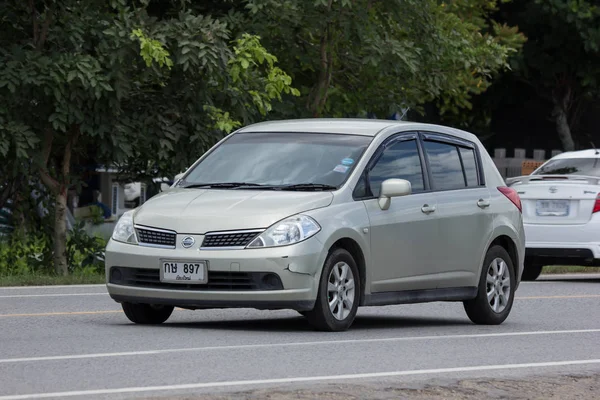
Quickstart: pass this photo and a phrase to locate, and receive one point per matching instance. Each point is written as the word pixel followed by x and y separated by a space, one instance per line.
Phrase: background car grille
pixel 235 239
pixel 148 236
pixel 217 280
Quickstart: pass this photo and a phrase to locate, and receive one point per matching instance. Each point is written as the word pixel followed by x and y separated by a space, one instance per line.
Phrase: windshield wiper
pixel 308 186
pixel 221 185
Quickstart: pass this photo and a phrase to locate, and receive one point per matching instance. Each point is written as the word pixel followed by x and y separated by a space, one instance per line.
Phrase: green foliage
pixel 351 58
pixel 96 82
pixel 31 253
pixel 249 56
pixel 84 252
pixel 96 215
pixel 23 254
pixel 560 62
pixel 152 50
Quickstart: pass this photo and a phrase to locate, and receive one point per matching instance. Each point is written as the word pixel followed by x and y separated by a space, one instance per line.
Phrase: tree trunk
pixel 60 233
pixel 60 189
pixel 324 80
pixel 562 127
pixel 562 99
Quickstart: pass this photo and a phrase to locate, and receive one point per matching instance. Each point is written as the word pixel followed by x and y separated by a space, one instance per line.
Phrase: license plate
pixel 552 208
pixel 183 271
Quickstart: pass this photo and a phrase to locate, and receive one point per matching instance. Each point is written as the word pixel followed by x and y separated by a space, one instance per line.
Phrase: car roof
pixel 590 153
pixel 346 126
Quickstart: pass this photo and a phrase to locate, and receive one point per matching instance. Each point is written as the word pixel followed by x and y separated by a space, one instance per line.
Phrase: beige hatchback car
pixel 323 216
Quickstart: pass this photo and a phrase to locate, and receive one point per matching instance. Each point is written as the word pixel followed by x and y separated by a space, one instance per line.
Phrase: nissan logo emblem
pixel 188 242
pixel 553 189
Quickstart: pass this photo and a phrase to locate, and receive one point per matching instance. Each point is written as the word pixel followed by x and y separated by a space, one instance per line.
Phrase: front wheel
pixel 339 294
pixel 147 314
pixel 496 289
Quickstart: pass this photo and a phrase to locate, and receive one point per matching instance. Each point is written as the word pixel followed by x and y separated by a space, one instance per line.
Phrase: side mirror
pixel 393 188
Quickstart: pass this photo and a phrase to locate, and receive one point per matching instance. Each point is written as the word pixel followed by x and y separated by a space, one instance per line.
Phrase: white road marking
pixel 53 295
pixel 372 375
pixel 52 286
pixel 291 344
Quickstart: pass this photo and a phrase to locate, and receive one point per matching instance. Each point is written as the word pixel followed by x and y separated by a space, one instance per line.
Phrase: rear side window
pixel 400 160
pixel 445 166
pixel 469 165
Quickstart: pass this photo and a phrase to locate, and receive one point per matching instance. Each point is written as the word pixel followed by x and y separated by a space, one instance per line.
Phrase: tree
pixel 125 84
pixel 351 58
pixel 561 60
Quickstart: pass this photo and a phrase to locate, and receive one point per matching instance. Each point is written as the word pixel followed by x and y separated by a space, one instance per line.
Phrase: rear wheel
pixel 531 272
pixel 496 289
pixel 339 294
pixel 147 314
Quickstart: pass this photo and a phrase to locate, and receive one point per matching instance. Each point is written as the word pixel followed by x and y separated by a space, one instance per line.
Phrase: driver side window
pixel 400 160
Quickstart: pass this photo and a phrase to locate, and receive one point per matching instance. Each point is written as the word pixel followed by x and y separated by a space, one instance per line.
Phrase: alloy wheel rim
pixel 341 291
pixel 498 285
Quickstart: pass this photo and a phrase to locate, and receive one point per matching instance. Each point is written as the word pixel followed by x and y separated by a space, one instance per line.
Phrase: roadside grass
pixel 49 279
pixel 569 269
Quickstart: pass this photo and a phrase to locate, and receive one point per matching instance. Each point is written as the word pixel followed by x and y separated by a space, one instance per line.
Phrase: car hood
pixel 197 211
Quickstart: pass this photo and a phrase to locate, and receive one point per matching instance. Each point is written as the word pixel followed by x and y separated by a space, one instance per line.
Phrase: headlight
pixel 124 231
pixel 289 231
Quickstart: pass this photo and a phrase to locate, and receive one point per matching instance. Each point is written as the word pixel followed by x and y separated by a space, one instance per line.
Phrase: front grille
pixel 217 280
pixel 156 237
pixel 233 239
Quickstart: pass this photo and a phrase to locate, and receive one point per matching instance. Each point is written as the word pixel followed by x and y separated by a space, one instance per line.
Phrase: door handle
pixel 427 209
pixel 483 203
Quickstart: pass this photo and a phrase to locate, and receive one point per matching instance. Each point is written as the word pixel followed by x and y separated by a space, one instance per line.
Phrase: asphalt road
pixel 57 342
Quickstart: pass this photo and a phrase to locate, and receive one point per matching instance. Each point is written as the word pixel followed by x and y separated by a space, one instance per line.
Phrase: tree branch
pixel 34 21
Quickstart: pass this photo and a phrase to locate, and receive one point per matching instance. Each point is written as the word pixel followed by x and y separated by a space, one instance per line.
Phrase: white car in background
pixel 561 212
pixel 133 190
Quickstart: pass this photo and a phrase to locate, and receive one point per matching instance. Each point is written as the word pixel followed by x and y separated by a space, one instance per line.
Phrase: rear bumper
pixel 567 242
pixel 561 256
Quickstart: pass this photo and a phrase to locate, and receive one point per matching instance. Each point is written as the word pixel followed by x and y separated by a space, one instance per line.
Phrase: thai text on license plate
pixel 183 271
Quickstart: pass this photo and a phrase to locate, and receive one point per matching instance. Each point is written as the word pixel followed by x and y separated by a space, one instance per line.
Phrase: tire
pixel 147 314
pixel 494 311
pixel 531 272
pixel 345 286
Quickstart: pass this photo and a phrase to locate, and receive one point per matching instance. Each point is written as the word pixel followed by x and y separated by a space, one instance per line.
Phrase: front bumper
pixel 297 266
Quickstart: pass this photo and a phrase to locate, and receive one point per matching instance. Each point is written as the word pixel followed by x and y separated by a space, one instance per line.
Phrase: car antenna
pixel 595 149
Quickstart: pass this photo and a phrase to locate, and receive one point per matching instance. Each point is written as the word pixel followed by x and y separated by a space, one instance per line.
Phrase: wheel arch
pixel 508 244
pixel 352 247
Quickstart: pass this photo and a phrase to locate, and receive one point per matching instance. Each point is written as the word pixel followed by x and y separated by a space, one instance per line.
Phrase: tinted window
pixel 272 158
pixel 444 162
pixel 470 166
pixel 571 166
pixel 399 161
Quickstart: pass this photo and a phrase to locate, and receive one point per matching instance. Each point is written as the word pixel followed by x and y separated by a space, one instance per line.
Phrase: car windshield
pixel 571 166
pixel 280 159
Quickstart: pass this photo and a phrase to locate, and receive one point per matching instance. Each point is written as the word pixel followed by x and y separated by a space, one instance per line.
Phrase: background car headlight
pixel 124 231
pixel 289 231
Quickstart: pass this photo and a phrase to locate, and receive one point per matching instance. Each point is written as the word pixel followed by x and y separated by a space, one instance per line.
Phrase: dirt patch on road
pixel 559 387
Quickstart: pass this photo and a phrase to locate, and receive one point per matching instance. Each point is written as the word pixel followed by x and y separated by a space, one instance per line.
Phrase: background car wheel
pixel 531 272
pixel 339 294
pixel 496 289
pixel 147 313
